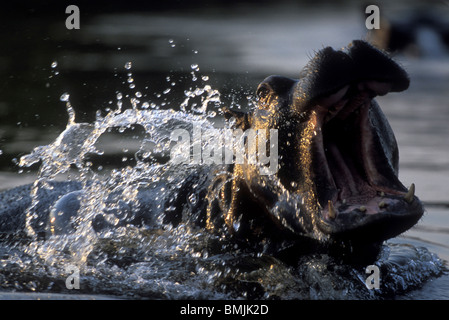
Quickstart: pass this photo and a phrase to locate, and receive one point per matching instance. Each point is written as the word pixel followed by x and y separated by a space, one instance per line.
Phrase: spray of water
pixel 159 260
pixel 78 142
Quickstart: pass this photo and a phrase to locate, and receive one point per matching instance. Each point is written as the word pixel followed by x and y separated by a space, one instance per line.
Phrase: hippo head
pixel 337 151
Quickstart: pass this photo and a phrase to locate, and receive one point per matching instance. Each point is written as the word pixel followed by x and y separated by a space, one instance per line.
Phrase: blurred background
pixel 232 46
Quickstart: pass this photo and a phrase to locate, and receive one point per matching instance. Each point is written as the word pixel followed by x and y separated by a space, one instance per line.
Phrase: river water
pixel 172 53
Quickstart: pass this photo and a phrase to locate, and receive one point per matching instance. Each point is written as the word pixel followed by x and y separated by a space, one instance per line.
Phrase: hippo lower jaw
pixel 358 190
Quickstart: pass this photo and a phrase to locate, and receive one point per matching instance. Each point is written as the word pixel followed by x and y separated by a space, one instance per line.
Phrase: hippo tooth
pixel 410 194
pixel 382 204
pixel 362 208
pixel 331 209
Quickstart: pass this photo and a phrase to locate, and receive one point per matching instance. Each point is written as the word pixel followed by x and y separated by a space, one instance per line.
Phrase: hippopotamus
pixel 338 173
pixel 336 185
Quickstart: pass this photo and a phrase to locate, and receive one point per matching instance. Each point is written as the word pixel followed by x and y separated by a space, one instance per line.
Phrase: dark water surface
pixel 231 49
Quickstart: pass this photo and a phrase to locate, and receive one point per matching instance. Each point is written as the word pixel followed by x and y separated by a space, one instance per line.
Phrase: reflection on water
pixel 231 52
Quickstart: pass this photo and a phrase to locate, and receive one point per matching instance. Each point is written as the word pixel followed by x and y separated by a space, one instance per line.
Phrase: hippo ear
pixel 242 119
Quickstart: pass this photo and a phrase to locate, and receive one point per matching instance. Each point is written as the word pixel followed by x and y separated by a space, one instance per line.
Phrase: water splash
pixel 110 192
pixel 158 260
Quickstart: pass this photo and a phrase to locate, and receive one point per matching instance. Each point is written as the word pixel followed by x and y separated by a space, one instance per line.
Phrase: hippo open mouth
pixel 357 185
pixel 354 152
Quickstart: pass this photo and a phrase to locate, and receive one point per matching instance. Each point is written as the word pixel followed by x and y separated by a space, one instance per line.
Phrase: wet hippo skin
pixel 338 158
pixel 337 181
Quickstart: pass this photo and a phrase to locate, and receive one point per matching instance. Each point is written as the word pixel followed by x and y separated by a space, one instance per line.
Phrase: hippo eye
pixel 263 91
pixel 265 96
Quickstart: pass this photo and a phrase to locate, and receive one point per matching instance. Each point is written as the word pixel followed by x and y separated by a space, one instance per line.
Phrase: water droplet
pixel 194 67
pixel 65 97
pixel 132 86
pixel 138 94
pixel 130 80
pixel 205 78
pixel 54 64
pixel 134 102
pixel 128 65
pixel 166 91
pixel 119 96
pixel 145 105
pixel 192 199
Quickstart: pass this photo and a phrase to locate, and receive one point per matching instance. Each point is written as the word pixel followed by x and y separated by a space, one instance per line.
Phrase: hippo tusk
pixel 410 194
pixel 331 209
